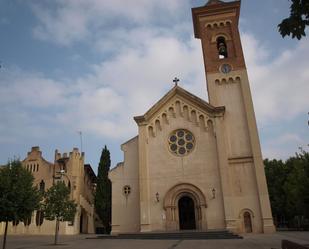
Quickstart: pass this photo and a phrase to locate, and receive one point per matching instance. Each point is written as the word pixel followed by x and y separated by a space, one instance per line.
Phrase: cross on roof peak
pixel 176 80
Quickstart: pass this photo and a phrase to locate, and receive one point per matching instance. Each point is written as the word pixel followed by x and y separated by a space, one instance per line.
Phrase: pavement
pixel 253 241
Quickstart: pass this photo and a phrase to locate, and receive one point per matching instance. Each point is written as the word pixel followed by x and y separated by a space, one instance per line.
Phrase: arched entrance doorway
pixel 248 222
pixel 186 211
pixel 185 208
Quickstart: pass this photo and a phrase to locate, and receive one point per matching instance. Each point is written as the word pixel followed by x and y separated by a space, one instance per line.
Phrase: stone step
pixel 181 235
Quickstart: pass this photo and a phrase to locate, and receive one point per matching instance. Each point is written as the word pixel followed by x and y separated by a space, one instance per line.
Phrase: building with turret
pixel 79 177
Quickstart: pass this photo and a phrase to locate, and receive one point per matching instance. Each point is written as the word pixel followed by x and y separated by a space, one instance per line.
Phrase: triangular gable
pixel 177 90
pixel 36 154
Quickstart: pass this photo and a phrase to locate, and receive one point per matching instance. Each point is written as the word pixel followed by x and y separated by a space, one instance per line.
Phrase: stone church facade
pixel 193 164
pixel 79 177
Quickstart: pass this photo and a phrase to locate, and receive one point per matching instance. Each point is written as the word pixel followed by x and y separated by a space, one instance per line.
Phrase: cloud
pixel 105 100
pixel 62 27
pixel 280 85
pixel 128 84
pixel 66 22
pixel 283 145
pixel 30 89
pixel 146 57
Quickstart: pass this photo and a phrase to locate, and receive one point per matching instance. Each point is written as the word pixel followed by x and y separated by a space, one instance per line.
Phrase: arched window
pixel 42 186
pixel 222 47
pixel 37 167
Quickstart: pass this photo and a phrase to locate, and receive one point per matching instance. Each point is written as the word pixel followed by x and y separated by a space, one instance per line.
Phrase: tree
pixel 18 197
pixel 288 184
pixel 295 25
pixel 276 174
pixel 58 206
pixel 296 187
pixel 103 191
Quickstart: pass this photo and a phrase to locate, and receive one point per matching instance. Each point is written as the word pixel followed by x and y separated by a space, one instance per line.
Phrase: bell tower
pixel 216 25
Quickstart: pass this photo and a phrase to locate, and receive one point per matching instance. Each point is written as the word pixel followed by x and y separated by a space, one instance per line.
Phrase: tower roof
pixel 211 2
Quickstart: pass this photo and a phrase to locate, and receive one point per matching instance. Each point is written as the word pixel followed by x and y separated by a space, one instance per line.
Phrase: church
pixel 196 165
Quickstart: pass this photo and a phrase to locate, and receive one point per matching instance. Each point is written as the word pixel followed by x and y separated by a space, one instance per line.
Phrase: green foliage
pixel 57 203
pixel 18 197
pixel 276 174
pixel 288 184
pixel 296 24
pixel 58 206
pixel 297 185
pixel 103 191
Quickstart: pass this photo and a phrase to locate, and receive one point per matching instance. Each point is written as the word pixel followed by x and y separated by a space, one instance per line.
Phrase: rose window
pixel 181 142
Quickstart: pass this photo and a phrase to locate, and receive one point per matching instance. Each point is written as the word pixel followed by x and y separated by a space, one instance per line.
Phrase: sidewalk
pixel 259 241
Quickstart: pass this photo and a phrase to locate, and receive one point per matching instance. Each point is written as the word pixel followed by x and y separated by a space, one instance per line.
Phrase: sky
pixel 92 65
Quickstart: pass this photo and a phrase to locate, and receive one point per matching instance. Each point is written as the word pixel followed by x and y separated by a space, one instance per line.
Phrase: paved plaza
pixel 88 242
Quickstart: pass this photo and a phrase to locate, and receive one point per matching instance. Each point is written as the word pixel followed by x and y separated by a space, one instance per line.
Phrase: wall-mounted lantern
pixel 157 197
pixel 213 193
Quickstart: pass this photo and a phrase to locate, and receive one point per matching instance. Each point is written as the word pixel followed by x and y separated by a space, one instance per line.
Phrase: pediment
pixel 179 102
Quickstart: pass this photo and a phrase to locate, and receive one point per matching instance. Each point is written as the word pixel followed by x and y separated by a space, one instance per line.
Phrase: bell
pixel 222 49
